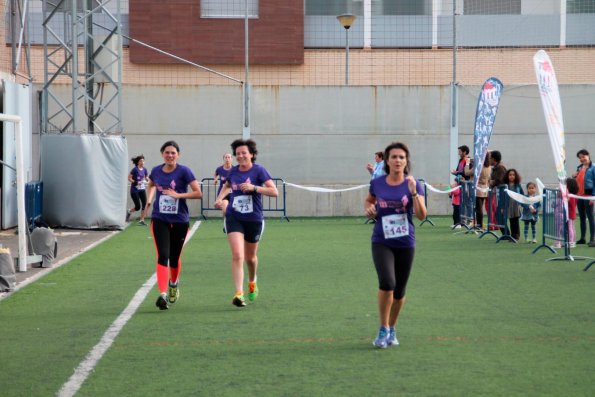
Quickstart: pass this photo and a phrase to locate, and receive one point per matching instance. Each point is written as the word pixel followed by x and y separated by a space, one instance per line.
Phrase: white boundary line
pixel 81 373
pixel 56 265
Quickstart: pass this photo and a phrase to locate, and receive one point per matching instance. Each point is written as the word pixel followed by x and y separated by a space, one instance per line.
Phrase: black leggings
pixel 169 241
pixel 393 266
pixel 139 199
pixel 515 228
pixel 585 214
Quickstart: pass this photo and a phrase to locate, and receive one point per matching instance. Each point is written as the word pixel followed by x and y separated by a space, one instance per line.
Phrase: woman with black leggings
pixel 138 179
pixel 170 219
pixel 392 200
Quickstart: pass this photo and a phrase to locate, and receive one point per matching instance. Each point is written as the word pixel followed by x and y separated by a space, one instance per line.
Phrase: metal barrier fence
pixel 555 225
pixel 498 202
pixel 426 219
pixel 467 205
pixel 269 204
pixel 554 218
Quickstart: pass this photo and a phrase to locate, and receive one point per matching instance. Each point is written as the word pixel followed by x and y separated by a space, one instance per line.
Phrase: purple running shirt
pixel 246 206
pixel 167 208
pixel 222 173
pixel 394 220
pixel 138 179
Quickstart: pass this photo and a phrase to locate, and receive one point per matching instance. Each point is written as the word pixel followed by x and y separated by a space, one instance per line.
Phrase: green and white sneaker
pixel 173 293
pixel 162 301
pixel 239 301
pixel 252 291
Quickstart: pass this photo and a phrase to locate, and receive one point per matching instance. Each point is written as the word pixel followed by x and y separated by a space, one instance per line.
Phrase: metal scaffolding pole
pixel 94 104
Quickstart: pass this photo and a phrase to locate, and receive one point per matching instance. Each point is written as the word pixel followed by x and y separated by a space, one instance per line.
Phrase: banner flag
pixel 485 115
pixel 552 110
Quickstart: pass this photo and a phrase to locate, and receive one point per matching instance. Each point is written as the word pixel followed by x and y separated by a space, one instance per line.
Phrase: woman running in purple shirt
pixel 170 219
pixel 392 200
pixel 221 176
pixel 244 219
pixel 138 179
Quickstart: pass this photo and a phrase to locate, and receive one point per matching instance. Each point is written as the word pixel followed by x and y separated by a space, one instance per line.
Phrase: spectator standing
pixel 455 197
pixel 376 169
pixel 514 208
pixel 497 178
pixel 464 160
pixel 585 177
pixel 481 191
pixel 530 214
pixel 572 187
pixel 498 175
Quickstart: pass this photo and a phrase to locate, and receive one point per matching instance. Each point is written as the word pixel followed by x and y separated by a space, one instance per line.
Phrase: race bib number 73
pixel 243 204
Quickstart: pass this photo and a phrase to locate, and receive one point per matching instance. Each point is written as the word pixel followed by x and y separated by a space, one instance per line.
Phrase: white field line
pixel 81 373
pixel 45 271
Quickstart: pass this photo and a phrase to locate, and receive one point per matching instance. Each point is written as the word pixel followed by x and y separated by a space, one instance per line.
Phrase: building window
pixel 406 7
pixel 580 6
pixel 334 7
pixel 492 7
pixel 228 8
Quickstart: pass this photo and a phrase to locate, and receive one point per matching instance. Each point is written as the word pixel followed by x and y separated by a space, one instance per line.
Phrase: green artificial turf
pixel 481 319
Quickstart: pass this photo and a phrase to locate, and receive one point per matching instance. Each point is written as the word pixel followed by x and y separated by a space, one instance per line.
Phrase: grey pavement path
pixel 71 243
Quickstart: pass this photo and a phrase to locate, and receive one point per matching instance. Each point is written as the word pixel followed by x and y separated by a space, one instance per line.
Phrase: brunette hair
pixel 397 145
pixel 517 176
pixel 584 152
pixel 486 161
pixel 170 143
pixel 572 185
pixel 249 143
pixel 136 159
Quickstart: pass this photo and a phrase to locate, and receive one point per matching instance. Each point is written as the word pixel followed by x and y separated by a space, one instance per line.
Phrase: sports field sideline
pixel 481 319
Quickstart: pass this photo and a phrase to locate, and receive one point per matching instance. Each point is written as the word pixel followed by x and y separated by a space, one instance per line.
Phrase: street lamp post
pixel 346 20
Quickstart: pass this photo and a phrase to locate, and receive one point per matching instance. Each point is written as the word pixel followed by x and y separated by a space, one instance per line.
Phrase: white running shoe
pixel 381 340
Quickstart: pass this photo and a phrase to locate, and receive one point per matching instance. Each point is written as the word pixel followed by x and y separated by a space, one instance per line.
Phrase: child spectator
pixel 573 188
pixel 455 196
pixel 513 179
pixel 530 214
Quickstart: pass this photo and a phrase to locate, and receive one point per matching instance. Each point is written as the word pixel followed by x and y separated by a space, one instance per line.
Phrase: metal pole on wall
pixel 90 69
pixel 454 128
pixel 246 85
pixel 346 56
pixel 346 20
pixel 20 184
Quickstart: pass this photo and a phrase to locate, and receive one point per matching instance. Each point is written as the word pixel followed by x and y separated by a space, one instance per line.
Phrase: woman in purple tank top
pixel 244 220
pixel 392 202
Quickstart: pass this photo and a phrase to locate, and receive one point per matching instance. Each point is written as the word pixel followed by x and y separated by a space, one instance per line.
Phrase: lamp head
pixel 346 20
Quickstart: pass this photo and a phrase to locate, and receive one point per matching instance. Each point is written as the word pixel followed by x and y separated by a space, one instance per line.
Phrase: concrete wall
pixel 324 136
